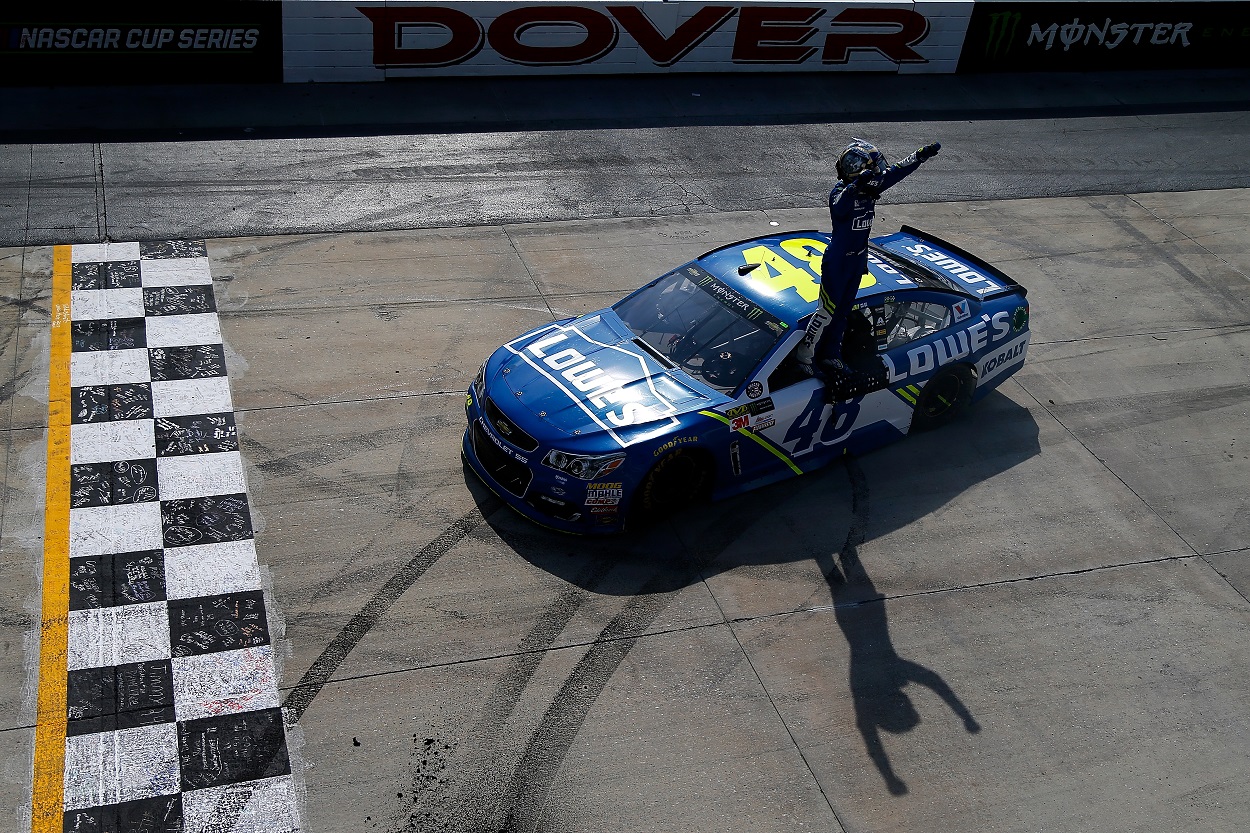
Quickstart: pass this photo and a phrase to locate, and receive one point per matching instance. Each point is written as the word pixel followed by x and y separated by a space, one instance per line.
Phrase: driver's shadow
pixel 877 673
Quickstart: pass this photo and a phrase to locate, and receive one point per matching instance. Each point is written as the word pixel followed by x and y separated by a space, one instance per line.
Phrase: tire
pixel 944 397
pixel 680 479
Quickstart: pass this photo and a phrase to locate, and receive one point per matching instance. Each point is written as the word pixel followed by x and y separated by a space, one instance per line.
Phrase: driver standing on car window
pixel 862 176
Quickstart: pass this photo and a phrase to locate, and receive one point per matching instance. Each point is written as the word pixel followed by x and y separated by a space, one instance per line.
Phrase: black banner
pixel 1078 37
pixel 140 43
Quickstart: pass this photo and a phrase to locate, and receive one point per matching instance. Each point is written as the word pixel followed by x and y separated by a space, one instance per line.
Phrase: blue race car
pixel 688 388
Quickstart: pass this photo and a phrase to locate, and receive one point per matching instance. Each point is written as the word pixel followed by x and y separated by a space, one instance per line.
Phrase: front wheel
pixel 678 480
pixel 944 397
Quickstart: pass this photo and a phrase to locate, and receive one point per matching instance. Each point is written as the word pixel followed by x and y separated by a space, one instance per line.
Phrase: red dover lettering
pixel 764 34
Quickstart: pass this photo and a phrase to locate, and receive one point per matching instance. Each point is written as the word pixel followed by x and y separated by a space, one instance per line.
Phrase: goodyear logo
pixel 673 443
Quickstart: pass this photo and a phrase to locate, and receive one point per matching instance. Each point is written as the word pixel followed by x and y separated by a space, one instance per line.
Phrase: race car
pixel 688 388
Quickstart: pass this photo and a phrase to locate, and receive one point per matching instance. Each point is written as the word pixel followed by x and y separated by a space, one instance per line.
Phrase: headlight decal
pixel 582 466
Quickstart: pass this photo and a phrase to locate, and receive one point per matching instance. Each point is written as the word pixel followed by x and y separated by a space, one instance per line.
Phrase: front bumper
pixel 522 482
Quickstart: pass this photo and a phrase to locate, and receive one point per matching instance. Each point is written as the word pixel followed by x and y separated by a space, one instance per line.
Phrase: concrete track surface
pixel 1033 619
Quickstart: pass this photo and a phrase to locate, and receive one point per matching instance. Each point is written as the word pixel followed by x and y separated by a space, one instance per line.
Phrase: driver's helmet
pixel 858 157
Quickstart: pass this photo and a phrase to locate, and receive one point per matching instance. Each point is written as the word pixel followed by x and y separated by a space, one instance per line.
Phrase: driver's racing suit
pixel 852 206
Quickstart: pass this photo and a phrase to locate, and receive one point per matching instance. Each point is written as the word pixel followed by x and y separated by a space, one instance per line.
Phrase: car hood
pixel 589 375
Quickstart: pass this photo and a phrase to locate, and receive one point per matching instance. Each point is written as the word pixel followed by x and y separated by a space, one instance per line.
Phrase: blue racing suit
pixel 852 207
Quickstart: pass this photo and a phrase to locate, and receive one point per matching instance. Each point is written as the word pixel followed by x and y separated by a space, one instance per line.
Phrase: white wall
pixel 332 40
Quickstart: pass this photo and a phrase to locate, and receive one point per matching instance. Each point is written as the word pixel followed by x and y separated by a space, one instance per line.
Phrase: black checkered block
pixel 173 713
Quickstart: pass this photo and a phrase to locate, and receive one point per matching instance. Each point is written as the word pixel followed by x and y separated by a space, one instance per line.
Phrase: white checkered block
pixel 173 715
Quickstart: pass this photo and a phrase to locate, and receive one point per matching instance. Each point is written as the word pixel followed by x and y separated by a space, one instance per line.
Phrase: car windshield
pixel 702 326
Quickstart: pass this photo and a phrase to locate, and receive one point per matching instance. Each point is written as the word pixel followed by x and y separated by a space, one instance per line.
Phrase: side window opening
pixel 906 321
pixel 859 349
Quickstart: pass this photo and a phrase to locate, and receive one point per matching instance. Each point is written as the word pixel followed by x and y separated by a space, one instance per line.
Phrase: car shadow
pixel 798 518
pixel 815 518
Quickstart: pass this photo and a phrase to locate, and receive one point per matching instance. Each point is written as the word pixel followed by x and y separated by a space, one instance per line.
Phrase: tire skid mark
pixel 405 509
pixel 531 781
pixel 1210 286
pixel 529 787
pixel 319 673
pixel 554 619
pixel 465 807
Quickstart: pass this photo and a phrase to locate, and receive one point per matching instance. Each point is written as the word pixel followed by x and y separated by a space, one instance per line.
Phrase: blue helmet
pixel 858 157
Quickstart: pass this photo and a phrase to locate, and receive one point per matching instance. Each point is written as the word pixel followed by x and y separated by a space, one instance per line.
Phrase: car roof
pixel 785 280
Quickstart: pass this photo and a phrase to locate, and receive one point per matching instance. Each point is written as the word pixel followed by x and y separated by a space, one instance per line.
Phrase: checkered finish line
pixel 172 713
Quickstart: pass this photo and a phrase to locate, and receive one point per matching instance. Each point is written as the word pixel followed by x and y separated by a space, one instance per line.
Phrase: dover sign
pixel 373 41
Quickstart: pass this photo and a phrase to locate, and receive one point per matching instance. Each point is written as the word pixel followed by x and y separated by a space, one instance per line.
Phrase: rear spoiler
pixel 1008 283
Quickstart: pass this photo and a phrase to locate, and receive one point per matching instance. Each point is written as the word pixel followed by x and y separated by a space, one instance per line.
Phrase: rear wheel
pixel 945 397
pixel 678 480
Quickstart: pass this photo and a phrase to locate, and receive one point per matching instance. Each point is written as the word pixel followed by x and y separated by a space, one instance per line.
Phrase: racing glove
pixel 928 151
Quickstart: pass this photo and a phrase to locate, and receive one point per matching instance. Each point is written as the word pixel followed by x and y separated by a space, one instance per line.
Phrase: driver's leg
pixel 806 352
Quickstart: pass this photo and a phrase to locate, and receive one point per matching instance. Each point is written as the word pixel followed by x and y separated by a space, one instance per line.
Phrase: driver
pixel 862 176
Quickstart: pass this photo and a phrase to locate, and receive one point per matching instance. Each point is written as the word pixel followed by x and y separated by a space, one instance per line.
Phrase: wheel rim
pixel 944 395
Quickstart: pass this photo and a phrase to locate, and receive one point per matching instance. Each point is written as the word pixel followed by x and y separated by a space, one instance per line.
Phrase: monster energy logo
pixel 1002 34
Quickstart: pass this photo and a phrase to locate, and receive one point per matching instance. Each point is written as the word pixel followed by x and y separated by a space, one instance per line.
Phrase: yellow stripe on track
pixel 48 784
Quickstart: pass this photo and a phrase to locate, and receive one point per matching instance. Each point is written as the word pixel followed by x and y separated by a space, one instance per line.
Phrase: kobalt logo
pixel 603 393
pixel 928 357
pixel 1008 355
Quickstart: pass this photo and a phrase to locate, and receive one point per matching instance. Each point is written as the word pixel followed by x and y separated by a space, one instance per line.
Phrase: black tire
pixel 680 479
pixel 944 397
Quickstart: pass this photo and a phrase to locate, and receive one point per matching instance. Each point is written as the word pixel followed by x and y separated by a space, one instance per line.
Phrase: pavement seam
pixel 1108 468
pixel 1219 329
pixel 529 272
pixel 101 207
pixel 744 620
pixel 363 399
pixel 1224 578
pixel 728 624
pixel 1188 237
pixel 503 300
pixel 785 725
